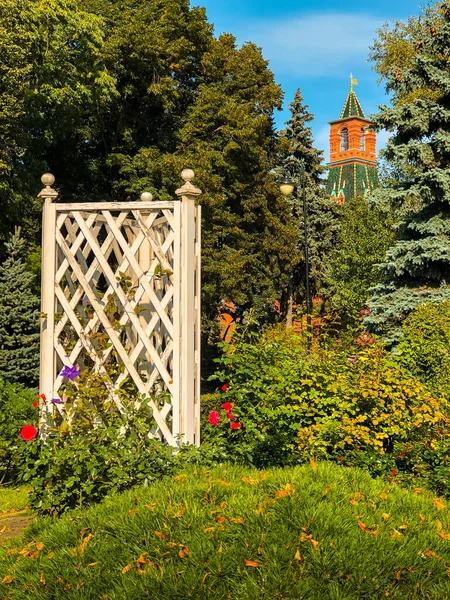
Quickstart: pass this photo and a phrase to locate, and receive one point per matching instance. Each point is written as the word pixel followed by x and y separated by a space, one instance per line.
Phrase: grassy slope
pixel 328 533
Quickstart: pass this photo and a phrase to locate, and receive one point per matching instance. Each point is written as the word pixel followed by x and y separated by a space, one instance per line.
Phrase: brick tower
pixel 352 167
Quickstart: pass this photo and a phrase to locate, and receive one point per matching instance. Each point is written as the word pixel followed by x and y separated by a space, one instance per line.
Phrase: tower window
pixel 362 143
pixel 344 139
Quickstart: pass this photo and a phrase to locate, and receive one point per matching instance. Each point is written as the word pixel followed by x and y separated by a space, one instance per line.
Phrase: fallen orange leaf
pixel 251 563
pixel 438 504
pixel 297 555
pixel 287 491
pixel 313 464
pixel 42 578
pixel 7 579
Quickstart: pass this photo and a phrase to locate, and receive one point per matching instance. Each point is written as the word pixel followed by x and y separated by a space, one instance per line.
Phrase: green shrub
pixel 293 404
pixel 425 345
pixel 228 532
pixel 16 410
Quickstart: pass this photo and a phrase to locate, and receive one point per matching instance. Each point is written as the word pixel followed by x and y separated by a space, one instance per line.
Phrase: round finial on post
pixel 187 175
pixel 188 190
pixel 146 197
pixel 48 192
pixel 48 179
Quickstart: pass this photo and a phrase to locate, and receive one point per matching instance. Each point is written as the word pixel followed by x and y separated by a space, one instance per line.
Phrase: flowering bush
pixel 18 408
pixel 326 403
pixel 97 452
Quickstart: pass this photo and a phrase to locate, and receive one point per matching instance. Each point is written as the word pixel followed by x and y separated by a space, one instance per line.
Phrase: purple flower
pixel 70 372
pixel 57 401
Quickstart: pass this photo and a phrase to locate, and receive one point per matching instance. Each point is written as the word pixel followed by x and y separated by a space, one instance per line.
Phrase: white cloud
pixel 314 44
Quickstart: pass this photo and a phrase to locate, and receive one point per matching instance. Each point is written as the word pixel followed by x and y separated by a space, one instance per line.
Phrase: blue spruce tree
pixel 19 318
pixel 414 60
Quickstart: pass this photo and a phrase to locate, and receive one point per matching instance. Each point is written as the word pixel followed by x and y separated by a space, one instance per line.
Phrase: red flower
pixel 341 458
pixel 227 406
pixel 35 404
pixel 230 416
pixel 214 418
pixel 28 432
pixel 235 425
pixel 42 397
pixel 224 387
pixel 393 471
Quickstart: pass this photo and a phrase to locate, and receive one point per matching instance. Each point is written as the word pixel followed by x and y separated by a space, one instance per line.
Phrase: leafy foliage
pixel 295 404
pixel 16 410
pixel 413 60
pixel 364 236
pixel 211 532
pixel 19 318
pixel 117 99
pixel 425 344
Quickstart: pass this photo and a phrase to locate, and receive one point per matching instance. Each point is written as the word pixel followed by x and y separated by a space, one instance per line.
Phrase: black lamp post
pixel 287 188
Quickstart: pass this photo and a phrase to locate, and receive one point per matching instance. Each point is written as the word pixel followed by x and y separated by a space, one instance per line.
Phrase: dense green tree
pixel 227 135
pixel 19 318
pixel 303 164
pixel 416 269
pixel 116 97
pixel 365 235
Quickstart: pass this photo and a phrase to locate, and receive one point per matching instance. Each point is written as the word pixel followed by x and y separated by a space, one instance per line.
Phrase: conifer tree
pixel 303 164
pixel 414 60
pixel 19 318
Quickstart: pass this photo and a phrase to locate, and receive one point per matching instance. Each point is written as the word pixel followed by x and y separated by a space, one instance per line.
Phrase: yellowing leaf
pixel 247 479
pixel 42 578
pixel 3 529
pixel 326 490
pixel 163 536
pixel 383 496
pixel 220 520
pixel 92 564
pixel 223 482
pixel 403 526
pixel 209 529
pixel 309 538
pixel 352 501
pixel 395 535
pixel 184 551
pixel 84 543
pixel 297 556
pixel 7 579
pixel 126 569
pixel 219 549
pixel 238 520
pixel 39 546
pixel 385 516
pixel 313 464
pixel 367 529
pixel 287 491
pixel 438 525
pixel 141 559
pixel 251 563
pixel 430 553
pixel 421 517
pixel 438 504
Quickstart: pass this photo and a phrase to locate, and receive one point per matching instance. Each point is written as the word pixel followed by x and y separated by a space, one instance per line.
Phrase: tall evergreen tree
pixel 303 163
pixel 19 318
pixel 417 268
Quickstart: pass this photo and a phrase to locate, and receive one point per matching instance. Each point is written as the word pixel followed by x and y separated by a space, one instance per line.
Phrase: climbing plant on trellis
pixel 121 297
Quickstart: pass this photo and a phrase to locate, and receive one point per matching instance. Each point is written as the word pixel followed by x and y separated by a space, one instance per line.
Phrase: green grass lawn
pixel 13 499
pixel 325 533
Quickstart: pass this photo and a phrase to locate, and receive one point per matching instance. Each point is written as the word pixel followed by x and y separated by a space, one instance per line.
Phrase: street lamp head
pixel 286 186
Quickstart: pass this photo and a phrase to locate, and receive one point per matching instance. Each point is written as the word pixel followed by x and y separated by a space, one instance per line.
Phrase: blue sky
pixel 314 45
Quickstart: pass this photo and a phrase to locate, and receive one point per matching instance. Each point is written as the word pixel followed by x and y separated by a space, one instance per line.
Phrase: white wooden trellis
pixel 87 251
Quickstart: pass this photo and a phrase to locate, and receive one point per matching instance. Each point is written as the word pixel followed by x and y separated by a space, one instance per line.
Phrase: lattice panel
pixel 121 299
pixel 115 281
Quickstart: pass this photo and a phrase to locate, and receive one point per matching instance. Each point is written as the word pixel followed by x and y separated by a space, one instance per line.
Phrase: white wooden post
pixel 47 354
pixel 189 313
